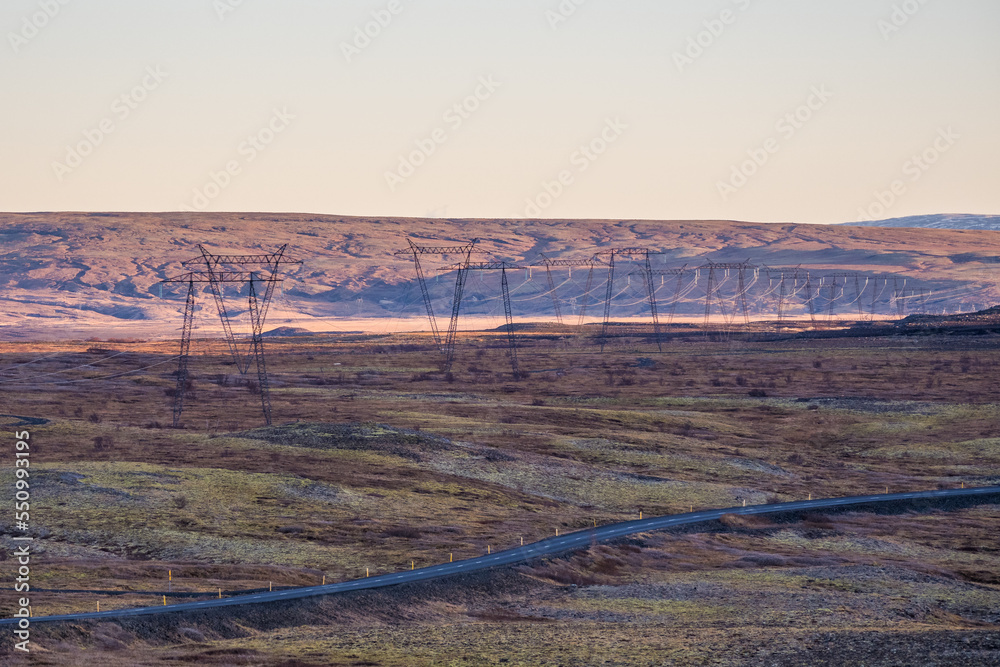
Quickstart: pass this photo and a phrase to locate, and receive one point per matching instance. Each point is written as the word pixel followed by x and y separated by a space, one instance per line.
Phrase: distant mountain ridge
pixel 79 275
pixel 954 221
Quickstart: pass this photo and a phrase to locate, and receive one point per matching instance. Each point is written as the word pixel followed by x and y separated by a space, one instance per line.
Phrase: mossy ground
pixel 391 464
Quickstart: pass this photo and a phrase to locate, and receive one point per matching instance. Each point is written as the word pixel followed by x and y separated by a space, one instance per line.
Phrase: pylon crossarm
pixel 481 266
pixel 217 276
pixel 440 250
pixel 590 261
pixel 629 251
pixel 273 258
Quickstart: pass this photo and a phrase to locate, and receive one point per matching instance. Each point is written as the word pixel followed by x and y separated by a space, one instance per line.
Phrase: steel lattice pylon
pixel 216 274
pixel 448 345
pixel 713 292
pixel 649 272
pixel 548 264
pixel 645 254
pixel 508 315
pixel 502 267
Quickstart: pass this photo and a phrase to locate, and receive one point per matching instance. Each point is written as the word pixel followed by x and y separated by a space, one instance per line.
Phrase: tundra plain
pixel 380 462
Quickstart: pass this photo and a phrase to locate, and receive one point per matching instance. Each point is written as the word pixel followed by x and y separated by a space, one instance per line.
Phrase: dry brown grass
pixel 227 506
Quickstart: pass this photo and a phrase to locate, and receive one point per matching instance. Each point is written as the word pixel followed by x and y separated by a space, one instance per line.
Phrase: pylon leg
pixel 607 301
pixel 425 293
pixel 552 292
pixel 508 313
pixel 586 296
pixel 456 307
pixel 651 290
pixel 257 343
pixel 182 359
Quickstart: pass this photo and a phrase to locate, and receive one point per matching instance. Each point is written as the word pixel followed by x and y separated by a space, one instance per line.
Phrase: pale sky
pixel 309 117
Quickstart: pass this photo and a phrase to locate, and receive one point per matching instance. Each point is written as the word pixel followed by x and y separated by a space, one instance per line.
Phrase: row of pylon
pixel 261 273
pixel 785 285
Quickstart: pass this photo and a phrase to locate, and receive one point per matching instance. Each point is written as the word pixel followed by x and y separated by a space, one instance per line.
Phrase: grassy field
pixel 379 462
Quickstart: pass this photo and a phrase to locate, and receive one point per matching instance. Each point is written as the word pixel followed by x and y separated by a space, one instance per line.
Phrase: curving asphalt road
pixel 553 546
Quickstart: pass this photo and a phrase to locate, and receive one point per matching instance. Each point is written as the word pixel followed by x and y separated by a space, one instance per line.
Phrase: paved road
pixel 552 546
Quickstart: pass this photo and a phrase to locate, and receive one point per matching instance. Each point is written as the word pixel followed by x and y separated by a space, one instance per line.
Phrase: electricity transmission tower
pixel 713 291
pixel 502 267
pixel 680 273
pixel 465 251
pixel 221 270
pixel 549 263
pixel 644 254
pixel 858 292
pixel 783 291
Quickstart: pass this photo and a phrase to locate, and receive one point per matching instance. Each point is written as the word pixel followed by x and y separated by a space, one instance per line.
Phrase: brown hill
pixel 72 273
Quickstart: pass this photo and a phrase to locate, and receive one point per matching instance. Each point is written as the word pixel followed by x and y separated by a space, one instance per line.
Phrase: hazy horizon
pixel 751 110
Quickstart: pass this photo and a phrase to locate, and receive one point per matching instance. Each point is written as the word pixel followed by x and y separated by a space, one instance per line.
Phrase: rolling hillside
pixel 79 274
pixel 986 222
